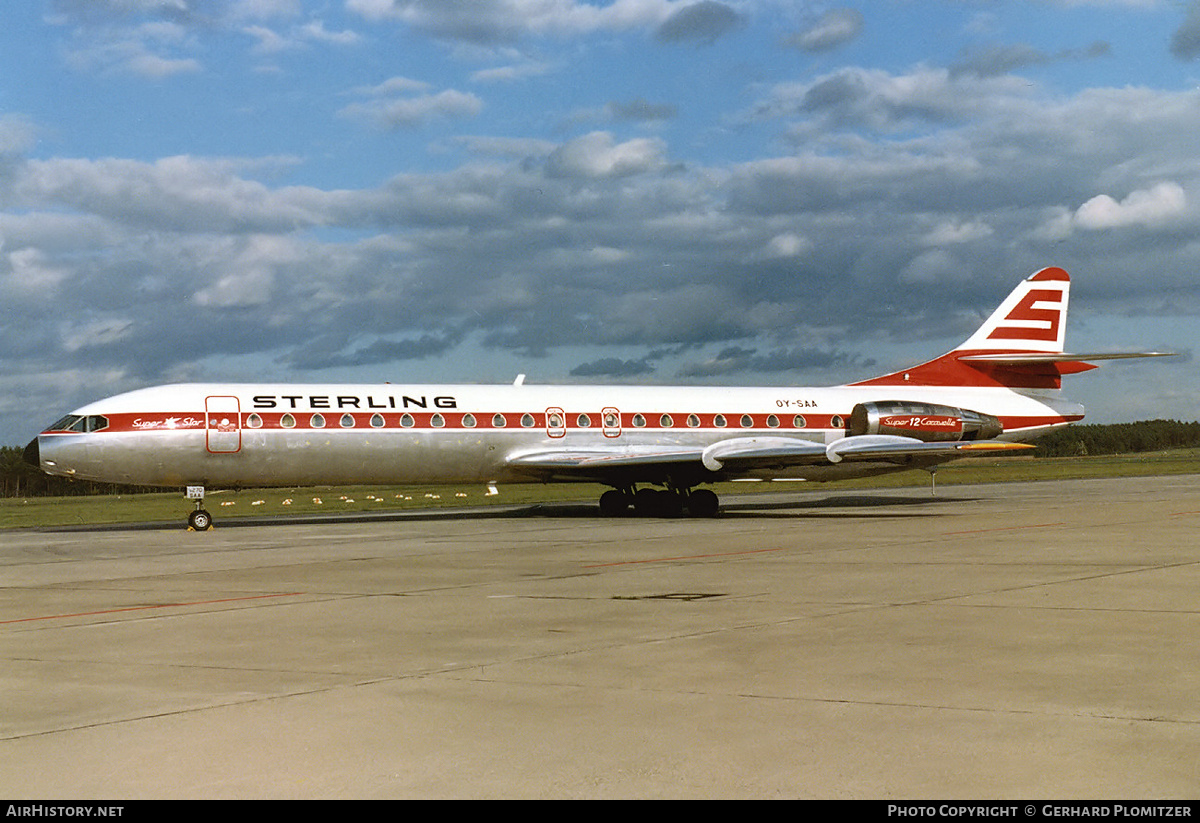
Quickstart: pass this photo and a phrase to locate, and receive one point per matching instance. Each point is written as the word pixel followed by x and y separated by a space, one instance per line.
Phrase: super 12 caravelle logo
pixel 918 421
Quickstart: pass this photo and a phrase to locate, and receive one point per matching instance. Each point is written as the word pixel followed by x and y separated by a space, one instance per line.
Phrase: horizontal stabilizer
pixel 1017 358
pixel 1020 346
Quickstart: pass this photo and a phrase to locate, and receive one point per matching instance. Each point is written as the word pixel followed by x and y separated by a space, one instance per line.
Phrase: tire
pixel 645 502
pixel 669 504
pixel 614 503
pixel 200 520
pixel 703 503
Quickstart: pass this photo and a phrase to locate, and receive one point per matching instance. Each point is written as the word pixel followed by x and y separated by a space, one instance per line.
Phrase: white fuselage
pixel 293 435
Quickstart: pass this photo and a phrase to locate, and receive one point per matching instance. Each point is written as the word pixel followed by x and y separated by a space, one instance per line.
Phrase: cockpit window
pixel 79 423
pixel 67 424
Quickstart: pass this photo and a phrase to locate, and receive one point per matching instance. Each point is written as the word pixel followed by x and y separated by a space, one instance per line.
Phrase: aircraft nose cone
pixel 33 453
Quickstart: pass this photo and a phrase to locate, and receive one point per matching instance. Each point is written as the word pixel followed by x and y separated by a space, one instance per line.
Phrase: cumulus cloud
pixel 1151 208
pixel 77 336
pixel 638 110
pixel 935 266
pixel 95 12
pixel 512 73
pixel 17 134
pixel 642 111
pixel 248 276
pixel 393 86
pixel 995 60
pixel 1185 42
pixel 314 31
pixel 595 238
pixel 871 98
pixel 702 22
pixel 599 155
pixel 492 22
pixel 272 41
pixel 784 246
pixel 200 193
pixel 833 29
pixel 955 232
pixel 393 106
pixel 152 50
pixel 379 351
pixel 612 367
pixel 162 39
pixel 28 274
pixel 514 147
pixel 738 359
pixel 264 9
pixel 533 245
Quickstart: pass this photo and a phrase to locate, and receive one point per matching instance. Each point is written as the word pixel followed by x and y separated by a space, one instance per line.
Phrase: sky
pixel 708 192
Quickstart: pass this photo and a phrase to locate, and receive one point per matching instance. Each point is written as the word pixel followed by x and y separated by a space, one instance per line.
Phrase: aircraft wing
pixel 737 457
pixel 884 447
pixel 615 465
pixel 597 458
pixel 750 453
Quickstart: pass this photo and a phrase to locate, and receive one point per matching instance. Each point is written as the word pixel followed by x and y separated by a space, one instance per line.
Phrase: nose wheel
pixel 199 520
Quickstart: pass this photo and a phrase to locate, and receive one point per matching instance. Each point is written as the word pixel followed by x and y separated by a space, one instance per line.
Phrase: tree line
pixel 1119 438
pixel 19 479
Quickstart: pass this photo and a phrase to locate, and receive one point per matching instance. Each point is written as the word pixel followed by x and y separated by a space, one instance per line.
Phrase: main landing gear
pixel 659 503
pixel 198 520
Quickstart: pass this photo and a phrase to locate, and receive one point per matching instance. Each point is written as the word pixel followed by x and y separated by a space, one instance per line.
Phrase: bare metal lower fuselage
pixel 367 435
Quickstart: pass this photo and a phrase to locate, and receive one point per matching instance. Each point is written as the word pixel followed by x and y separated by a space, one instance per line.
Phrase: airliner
pixel 655 447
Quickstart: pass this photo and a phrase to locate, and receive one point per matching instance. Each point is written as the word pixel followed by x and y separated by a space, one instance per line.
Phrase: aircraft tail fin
pixel 1020 346
pixel 1033 318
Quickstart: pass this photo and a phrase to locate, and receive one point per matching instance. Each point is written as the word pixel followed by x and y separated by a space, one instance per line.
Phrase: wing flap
pixel 761 453
pixel 592 459
pixel 739 456
pixel 891 447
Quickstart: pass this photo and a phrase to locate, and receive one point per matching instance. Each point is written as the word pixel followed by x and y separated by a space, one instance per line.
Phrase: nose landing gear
pixel 198 520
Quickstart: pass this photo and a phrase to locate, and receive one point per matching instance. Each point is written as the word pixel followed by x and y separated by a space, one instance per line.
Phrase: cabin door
pixel 223 424
pixel 611 420
pixel 556 422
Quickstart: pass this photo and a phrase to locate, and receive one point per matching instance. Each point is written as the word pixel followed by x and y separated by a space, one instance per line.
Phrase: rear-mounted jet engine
pixel 924 421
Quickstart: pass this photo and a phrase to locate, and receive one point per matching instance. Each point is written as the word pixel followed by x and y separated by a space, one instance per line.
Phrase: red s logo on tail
pixel 1033 323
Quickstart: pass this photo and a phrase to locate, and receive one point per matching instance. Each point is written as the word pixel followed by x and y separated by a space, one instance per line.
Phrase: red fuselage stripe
pixel 434 420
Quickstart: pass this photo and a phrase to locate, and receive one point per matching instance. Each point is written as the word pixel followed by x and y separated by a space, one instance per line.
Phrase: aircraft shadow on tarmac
pixel 846 505
pixel 840 506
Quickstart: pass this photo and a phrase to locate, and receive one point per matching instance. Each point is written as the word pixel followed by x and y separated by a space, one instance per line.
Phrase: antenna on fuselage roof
pixel 520 381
